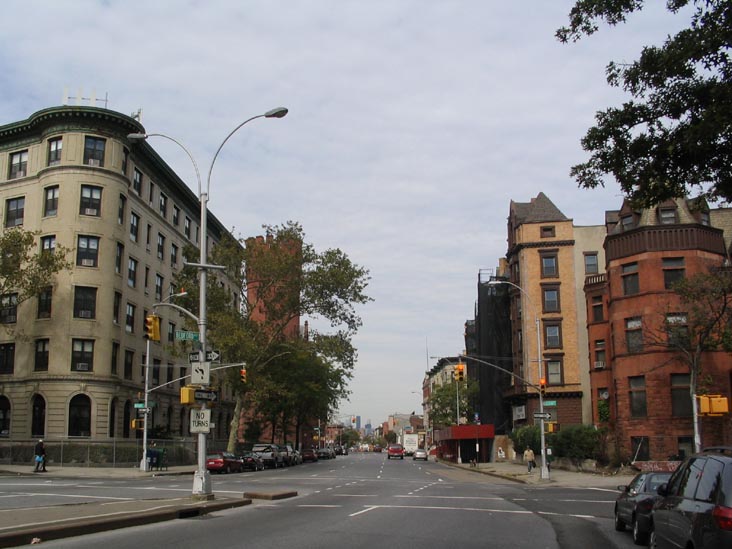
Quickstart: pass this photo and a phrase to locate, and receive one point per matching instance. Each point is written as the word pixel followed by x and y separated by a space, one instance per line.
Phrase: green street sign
pixel 182 335
pixel 550 403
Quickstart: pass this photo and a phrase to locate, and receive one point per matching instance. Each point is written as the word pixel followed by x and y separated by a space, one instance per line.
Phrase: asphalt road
pixel 361 500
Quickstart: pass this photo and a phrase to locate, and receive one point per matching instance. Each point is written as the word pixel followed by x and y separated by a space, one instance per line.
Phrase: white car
pixel 420 453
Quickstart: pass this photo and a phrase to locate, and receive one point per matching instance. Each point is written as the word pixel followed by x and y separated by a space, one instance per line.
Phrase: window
pixel 634 334
pixel 18 164
pixel 132 272
pixel 598 310
pixel 169 375
pixel 50 201
pixel 591 264
pixel 704 218
pixel 87 251
pixel 156 372
pixel 40 363
pixel 627 222
pixel 5 413
pixel 677 330
pixel 182 372
pixel 176 215
pixel 85 302
pixel 550 299
pixel 54 151
pixel 600 357
pixel 118 258
pixel 549 265
pixel 80 416
pixel 148 236
pixel 130 319
pixel 711 482
pixel 122 209
pixel 161 247
pixel 137 181
pixel 116 306
pixel 552 336
pixel 187 227
pixel 129 361
pixel 45 299
pixel 125 159
pixel 48 244
pixel 38 421
pixel 548 231
pixel 680 396
pixel 639 448
pixel 637 387
pixel 171 332
pixel 94 151
pixel 163 205
pixel 134 226
pixel 82 355
pixel 667 216
pixel 147 278
pixel 7 358
pixel 673 271
pixel 197 235
pixel 173 255
pixel 151 194
pixel 158 288
pixel 630 278
pixel 9 308
pixel 554 372
pixel 14 212
pixel 91 200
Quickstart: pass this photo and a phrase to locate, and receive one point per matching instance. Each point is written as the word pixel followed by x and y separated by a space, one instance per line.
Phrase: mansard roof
pixel 539 210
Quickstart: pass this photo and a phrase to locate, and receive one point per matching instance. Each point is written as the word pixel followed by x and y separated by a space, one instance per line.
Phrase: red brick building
pixel 640 390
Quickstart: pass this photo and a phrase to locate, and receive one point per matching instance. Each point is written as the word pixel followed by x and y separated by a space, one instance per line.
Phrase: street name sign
pixel 200 373
pixel 542 415
pixel 208 396
pixel 182 335
pixel 200 421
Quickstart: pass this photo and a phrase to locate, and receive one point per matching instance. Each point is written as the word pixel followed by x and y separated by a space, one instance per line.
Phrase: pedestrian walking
pixel 40 459
pixel 529 458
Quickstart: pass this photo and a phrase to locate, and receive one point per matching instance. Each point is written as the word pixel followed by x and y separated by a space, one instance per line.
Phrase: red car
pixel 308 454
pixel 224 462
pixel 395 451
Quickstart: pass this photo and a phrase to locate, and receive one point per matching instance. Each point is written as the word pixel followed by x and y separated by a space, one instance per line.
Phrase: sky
pixel 412 125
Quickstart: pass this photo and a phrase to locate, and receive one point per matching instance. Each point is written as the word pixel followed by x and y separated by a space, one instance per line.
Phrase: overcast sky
pixel 412 126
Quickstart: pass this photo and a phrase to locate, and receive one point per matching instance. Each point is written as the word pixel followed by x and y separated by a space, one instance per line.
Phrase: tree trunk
pixel 234 426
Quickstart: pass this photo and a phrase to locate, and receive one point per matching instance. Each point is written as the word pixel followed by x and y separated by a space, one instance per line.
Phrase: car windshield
pixel 656 480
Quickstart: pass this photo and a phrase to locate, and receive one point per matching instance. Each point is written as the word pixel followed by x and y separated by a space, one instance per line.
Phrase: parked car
pixel 395 451
pixel 298 457
pixel 420 453
pixel 289 454
pixel 270 454
pixel 326 453
pixel 696 505
pixel 377 448
pixel 251 461
pixel 223 462
pixel 309 454
pixel 634 504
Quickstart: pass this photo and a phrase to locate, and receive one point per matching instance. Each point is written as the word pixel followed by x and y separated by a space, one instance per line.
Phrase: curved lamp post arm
pixel 177 308
pixel 143 136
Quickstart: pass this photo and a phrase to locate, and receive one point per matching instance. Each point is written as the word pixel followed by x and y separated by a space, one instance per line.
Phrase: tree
pixel 24 271
pixel 444 398
pixel 673 137
pixel 699 324
pixel 270 284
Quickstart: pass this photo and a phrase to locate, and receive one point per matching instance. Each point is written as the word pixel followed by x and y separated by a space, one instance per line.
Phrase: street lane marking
pixel 327 506
pixel 481 498
pixel 83 496
pixel 355 495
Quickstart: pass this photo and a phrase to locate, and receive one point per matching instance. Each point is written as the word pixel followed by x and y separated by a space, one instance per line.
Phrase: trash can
pixel 153 457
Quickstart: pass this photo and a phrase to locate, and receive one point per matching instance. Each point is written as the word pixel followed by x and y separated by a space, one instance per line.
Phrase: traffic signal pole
pixel 144 464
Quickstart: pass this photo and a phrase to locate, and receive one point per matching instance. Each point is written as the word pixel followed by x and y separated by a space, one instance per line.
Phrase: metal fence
pixel 102 453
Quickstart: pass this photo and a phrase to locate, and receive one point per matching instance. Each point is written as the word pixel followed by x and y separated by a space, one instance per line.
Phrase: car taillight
pixel 723 517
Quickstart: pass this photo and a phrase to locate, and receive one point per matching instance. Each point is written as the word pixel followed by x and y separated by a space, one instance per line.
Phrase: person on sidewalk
pixel 529 458
pixel 40 459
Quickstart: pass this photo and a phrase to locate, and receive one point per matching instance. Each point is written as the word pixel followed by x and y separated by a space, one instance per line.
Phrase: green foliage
pixel 443 401
pixel 524 437
pixel 603 410
pixel 390 437
pixel 350 437
pixel 577 442
pixel 673 135
pixel 22 269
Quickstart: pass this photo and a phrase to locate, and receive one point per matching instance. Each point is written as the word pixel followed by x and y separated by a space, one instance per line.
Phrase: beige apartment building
pixel 71 360
pixel 548 258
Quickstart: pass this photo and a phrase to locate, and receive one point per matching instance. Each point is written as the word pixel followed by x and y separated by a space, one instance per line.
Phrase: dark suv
pixel 696 505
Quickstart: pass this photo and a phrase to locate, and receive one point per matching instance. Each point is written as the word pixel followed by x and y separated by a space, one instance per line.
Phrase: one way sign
pixel 211 356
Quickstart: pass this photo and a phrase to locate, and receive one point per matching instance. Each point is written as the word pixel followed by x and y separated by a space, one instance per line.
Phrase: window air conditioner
pixel 90 211
pixel 599 364
pixel 93 162
pixel 87 262
pixel 85 314
pixel 82 367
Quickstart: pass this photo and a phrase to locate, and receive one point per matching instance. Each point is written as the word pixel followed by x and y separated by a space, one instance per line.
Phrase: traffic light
pixel 187 395
pixel 137 424
pixel 152 327
pixel 460 371
pixel 542 386
pixel 243 375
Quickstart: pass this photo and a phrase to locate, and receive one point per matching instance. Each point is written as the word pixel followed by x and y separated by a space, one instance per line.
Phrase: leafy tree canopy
pixel 674 137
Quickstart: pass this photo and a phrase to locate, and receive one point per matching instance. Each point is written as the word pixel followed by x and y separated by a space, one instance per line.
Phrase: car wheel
pixel 652 540
pixel 639 537
pixel 619 523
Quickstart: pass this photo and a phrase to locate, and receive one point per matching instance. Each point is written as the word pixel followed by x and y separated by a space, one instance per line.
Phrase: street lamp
pixel 201 478
pixel 544 468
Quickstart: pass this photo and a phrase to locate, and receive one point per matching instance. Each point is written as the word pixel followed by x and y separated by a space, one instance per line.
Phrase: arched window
pixel 38 422
pixel 112 417
pixel 80 416
pixel 127 419
pixel 4 417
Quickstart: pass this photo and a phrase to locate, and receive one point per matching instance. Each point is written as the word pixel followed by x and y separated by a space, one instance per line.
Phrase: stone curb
pixel 270 495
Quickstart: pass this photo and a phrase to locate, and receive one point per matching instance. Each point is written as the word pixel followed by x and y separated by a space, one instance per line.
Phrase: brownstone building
pixel 640 390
